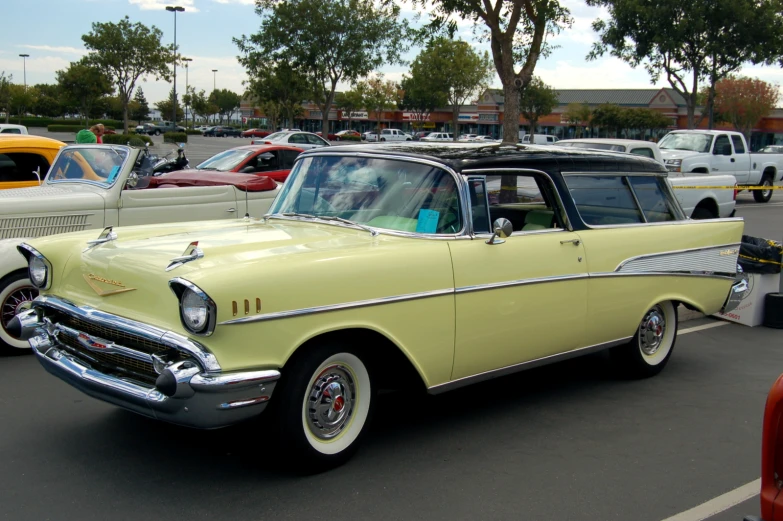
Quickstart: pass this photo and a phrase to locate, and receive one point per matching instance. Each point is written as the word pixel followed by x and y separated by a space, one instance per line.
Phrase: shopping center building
pixel 485 116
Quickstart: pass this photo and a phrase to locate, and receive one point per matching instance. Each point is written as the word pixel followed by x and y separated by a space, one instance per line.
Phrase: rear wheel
pixel 649 350
pixel 703 213
pixel 157 132
pixel 763 196
pixel 16 294
pixel 322 407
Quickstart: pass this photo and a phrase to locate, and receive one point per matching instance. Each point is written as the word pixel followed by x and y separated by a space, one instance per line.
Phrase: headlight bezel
pixel 182 287
pixel 31 253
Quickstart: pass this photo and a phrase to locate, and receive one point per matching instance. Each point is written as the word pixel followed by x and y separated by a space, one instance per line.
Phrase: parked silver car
pixel 303 140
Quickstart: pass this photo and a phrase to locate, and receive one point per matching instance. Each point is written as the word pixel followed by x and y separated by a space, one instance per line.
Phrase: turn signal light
pixel 736 191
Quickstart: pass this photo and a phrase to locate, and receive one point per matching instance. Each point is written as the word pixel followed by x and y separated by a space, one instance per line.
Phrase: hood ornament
pixel 106 235
pixel 191 253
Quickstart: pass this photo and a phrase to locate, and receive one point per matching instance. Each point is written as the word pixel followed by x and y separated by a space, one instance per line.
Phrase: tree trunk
pixel 533 125
pixel 455 120
pixel 125 99
pixel 510 111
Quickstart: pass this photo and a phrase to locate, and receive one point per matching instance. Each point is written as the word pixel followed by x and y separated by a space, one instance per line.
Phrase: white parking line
pixel 701 327
pixel 720 503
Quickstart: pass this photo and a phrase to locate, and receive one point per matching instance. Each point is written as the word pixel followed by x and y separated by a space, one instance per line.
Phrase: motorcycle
pixel 168 164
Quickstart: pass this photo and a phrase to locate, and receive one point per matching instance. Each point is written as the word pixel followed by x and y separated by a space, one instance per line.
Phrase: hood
pixel 679 154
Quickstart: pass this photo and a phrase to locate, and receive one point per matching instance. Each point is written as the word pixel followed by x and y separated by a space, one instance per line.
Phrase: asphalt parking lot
pixel 564 442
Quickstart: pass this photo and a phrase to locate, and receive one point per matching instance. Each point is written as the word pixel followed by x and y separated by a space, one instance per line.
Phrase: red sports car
pixel 772 457
pixel 330 137
pixel 271 161
pixel 255 132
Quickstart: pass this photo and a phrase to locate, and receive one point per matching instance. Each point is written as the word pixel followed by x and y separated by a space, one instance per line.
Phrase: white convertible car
pixel 99 186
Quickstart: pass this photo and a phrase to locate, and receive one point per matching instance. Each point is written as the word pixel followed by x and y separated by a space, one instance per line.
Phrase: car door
pixel 525 298
pixel 18 167
pixel 268 163
pixel 177 204
pixel 315 141
pixel 742 160
pixel 722 164
pixel 299 140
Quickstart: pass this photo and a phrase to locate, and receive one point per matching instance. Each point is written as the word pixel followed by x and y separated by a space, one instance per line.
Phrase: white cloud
pixel 148 5
pixel 607 73
pixel 243 2
pixel 53 48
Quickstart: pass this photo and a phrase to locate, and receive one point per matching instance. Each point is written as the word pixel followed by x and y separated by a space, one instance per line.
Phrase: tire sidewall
pixel 633 362
pixel 303 450
pixel 759 195
pixel 8 284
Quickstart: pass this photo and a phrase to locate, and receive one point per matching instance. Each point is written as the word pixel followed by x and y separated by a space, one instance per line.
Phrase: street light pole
pixel 24 65
pixel 214 75
pixel 187 105
pixel 175 9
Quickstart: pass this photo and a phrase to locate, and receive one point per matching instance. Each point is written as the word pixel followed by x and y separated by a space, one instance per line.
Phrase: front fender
pixel 10 259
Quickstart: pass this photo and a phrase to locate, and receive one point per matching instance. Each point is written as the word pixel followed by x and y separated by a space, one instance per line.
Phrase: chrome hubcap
pixel 16 302
pixel 765 193
pixel 652 330
pixel 331 402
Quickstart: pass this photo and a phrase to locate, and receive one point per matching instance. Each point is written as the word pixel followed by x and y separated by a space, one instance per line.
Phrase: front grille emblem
pixel 93 280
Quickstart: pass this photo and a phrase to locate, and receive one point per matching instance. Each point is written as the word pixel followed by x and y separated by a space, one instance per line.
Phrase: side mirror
pixel 247 170
pixel 133 180
pixel 502 228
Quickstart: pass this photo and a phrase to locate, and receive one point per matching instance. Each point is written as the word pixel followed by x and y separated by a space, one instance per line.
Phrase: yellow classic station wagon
pixel 378 266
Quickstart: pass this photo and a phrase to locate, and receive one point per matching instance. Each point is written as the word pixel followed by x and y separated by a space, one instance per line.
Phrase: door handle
pixel 231 210
pixel 575 242
pixel 732 159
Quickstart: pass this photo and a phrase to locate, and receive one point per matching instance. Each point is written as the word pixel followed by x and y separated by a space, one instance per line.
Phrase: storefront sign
pixel 468 117
pixel 488 117
pixel 413 116
pixel 355 115
pixel 318 114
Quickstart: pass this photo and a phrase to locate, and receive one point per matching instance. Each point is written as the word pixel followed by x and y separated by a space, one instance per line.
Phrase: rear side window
pixel 739 148
pixel 657 207
pixel 604 200
pixel 10 131
pixel 646 152
pixel 20 166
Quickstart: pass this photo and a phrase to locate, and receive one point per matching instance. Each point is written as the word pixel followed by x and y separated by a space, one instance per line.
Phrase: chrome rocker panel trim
pixel 213 401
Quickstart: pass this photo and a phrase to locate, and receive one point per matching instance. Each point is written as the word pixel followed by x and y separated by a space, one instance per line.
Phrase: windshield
pixel 276 135
pixel 225 161
pixel 383 193
pixel 692 142
pixel 595 146
pixel 96 165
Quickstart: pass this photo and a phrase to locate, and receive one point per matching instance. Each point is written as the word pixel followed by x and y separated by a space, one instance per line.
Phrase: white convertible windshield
pixel 99 165
pixel 382 193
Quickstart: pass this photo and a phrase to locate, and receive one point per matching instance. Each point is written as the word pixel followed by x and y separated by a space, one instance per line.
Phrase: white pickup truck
pixel 709 201
pixel 714 152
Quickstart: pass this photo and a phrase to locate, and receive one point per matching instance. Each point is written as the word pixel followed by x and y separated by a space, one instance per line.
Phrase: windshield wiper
pixel 372 231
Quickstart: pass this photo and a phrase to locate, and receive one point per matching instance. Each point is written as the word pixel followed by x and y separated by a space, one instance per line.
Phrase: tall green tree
pixel 578 114
pixel 457 70
pixel 140 108
pixel 744 101
pixel 517 31
pixel 83 84
pixel 536 101
pixel 283 84
pixel 349 101
pixel 610 117
pixel 48 104
pixel 226 101
pixel 165 106
pixel 22 99
pixel 379 95
pixel 126 52
pixel 5 93
pixel 690 42
pixel 329 42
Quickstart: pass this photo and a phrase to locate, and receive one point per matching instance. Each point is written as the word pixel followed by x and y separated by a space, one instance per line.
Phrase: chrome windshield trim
pixel 104 186
pixel 520 282
pixel 503 371
pixel 462 186
pixel 674 252
pixel 336 307
pixel 152 333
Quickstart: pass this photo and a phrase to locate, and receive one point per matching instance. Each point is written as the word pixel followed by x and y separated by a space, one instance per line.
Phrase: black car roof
pixel 467 156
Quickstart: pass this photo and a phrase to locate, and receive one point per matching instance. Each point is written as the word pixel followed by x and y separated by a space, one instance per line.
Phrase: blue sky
pixel 205 29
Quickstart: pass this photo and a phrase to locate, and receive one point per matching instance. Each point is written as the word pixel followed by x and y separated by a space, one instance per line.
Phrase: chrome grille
pixel 18 227
pixel 110 362
pixel 119 337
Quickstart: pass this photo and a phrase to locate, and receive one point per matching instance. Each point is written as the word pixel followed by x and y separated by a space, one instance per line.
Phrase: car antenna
pixel 247 207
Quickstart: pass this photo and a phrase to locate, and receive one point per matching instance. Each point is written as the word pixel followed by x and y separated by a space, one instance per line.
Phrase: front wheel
pixel 322 407
pixel 16 294
pixel 337 138
pixel 763 196
pixel 649 350
pixel 157 132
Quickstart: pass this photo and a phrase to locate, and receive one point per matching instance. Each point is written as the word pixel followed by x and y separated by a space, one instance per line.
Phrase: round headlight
pixel 194 311
pixel 38 271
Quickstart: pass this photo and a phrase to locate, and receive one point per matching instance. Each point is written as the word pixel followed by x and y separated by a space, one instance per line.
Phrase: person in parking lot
pixel 98 130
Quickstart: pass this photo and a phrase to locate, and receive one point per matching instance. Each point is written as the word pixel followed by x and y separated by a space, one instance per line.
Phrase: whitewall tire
pixel 651 347
pixel 16 293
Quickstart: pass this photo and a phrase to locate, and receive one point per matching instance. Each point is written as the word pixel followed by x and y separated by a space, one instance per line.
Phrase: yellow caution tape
pixel 727 187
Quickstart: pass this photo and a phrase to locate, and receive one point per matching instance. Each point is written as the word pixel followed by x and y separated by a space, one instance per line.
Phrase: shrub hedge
pixel 350 138
pixel 70 128
pixel 45 122
pixel 175 137
pixel 136 140
pixel 192 132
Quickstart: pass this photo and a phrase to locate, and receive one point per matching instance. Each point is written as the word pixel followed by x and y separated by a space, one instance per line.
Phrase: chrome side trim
pixel 605 274
pixel 520 282
pixel 336 307
pixel 665 223
pixel 173 340
pixel 648 260
pixel 503 371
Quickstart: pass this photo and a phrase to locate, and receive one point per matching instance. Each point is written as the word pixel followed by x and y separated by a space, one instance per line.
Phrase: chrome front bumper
pixel 184 392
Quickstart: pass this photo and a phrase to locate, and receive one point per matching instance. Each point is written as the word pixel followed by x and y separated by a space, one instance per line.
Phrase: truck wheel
pixel 763 196
pixel 16 292
pixel 157 132
pixel 322 407
pixel 703 213
pixel 651 347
